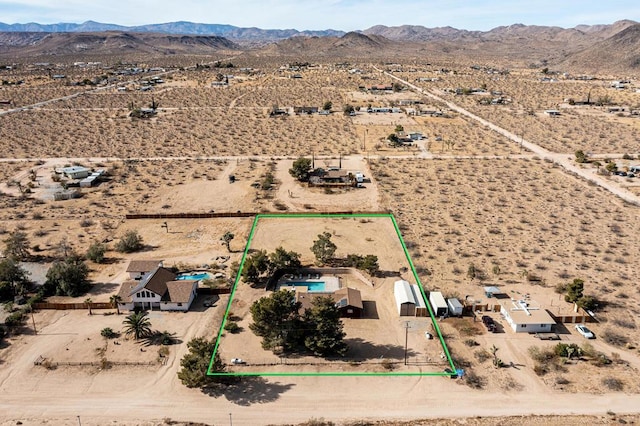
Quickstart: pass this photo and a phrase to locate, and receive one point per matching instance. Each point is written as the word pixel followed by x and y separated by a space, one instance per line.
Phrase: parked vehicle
pixel 489 323
pixel 237 361
pixel 586 333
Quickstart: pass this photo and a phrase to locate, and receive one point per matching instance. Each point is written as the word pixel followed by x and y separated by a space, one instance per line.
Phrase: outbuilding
pixel 405 301
pixel 438 304
pixel 455 307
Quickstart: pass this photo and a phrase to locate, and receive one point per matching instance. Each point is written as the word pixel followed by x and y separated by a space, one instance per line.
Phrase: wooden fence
pixel 237 214
pixel 77 305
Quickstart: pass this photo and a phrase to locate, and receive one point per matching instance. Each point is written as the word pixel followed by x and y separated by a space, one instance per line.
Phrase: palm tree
pixel 88 302
pixel 114 300
pixel 138 325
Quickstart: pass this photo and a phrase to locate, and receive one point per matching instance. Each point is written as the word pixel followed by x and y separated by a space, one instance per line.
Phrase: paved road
pixel 566 161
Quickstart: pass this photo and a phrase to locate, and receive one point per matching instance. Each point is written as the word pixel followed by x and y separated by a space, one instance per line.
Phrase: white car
pixel 237 361
pixel 586 333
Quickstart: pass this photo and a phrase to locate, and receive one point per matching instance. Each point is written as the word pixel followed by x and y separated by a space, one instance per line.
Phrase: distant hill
pixel 182 27
pixel 350 44
pixel 620 52
pixel 108 43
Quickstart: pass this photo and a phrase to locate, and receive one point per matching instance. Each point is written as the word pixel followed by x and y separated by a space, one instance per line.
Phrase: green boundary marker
pixel 329 216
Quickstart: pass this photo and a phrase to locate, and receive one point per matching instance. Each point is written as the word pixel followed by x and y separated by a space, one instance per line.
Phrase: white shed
pixel 405 300
pixel 421 305
pixel 438 303
pixel 455 307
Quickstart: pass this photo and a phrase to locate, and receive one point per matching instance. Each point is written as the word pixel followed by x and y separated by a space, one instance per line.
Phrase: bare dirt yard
pixel 517 222
pixel 376 339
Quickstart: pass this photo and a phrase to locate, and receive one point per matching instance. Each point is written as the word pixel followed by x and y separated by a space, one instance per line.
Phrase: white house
pixel 141 269
pixel 158 290
pixel 524 317
pixel 75 172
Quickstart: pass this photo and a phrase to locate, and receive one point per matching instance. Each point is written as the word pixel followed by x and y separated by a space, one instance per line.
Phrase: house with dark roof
pixel 348 301
pixel 160 289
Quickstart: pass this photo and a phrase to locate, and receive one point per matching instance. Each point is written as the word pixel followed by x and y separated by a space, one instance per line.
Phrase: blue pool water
pixel 201 276
pixel 311 285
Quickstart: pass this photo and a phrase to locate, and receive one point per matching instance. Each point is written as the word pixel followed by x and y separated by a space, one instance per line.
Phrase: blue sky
pixel 323 14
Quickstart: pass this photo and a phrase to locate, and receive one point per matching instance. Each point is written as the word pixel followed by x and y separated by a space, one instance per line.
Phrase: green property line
pixel 327 374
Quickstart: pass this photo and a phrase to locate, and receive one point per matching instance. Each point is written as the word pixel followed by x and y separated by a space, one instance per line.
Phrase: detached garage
pixel 405 300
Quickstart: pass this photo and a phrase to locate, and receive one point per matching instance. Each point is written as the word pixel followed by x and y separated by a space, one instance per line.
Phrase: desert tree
pixel 324 335
pixel 255 265
pixel 195 365
pixel 275 319
pixel 226 238
pixel 13 278
pixel 17 246
pixel 68 277
pixel 115 299
pixel 300 169
pixel 282 258
pixel 130 242
pixel 96 252
pixel 323 248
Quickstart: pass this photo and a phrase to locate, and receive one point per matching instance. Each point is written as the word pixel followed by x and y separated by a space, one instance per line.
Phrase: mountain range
pixel 585 48
pixel 399 33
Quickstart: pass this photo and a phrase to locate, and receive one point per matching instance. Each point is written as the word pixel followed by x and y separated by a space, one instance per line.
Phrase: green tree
pixel 393 140
pixel 588 302
pixel 68 277
pixel 17 246
pixel 255 265
pixel 282 258
pixel 575 290
pixel 611 167
pixel 348 109
pixel 195 364
pixel 130 242
pixel 399 128
pixel 327 106
pixel 88 302
pixel 581 157
pixel 300 169
pixel 137 325
pixel 397 87
pixel 323 248
pixel 226 238
pixel 324 335
pixel 15 277
pixel 96 252
pixel 370 264
pixel 276 319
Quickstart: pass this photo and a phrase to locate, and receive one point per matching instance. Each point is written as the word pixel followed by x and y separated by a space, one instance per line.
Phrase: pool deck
pixel 331 283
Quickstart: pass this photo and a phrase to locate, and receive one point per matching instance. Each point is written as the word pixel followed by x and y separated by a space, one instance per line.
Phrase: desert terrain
pixel 475 206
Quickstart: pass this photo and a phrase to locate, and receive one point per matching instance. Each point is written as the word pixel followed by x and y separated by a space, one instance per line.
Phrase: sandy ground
pixel 521 214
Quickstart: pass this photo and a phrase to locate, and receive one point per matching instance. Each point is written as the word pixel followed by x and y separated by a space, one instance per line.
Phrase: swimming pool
pixel 197 277
pixel 312 286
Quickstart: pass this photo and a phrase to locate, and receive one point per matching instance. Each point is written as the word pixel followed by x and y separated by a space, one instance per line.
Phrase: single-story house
pixel 141 269
pixel 305 110
pixel 159 290
pixel 75 172
pixel 331 177
pixel 348 301
pixel 523 317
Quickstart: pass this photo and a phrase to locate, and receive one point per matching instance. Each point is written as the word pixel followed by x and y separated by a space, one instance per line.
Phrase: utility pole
pixel 33 321
pixel 230 420
pixel 406 340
